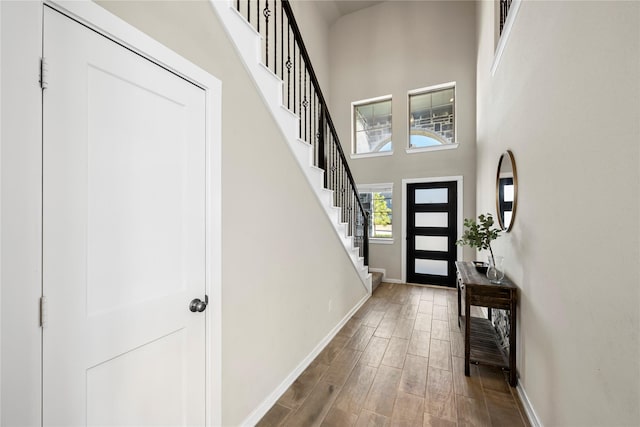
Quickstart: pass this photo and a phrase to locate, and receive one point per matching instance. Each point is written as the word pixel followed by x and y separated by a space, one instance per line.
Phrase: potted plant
pixel 480 234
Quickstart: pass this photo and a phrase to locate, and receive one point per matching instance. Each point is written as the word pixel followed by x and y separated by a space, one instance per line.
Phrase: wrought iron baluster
pixel 334 170
pixel 321 162
pixel 299 93
pixel 305 103
pixel 282 41
pixel 267 13
pixel 309 113
pixel 342 194
pixel 351 212
pixel 314 128
pixel 295 104
pixel 275 37
pixel 289 64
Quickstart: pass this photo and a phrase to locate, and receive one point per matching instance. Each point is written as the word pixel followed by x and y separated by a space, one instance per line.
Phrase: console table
pixel 480 337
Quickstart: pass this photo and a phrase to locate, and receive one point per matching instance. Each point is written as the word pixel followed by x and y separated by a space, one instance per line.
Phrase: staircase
pixel 376 279
pixel 268 40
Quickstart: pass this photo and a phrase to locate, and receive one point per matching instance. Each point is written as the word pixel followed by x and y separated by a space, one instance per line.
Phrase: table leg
pixel 467 334
pixel 459 307
pixel 513 376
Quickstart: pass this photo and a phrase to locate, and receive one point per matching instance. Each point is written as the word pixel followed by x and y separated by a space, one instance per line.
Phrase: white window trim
pixel 460 180
pixel 354 104
pixel 453 146
pixel 432 88
pixel 375 188
pixel 378 188
pixel 376 154
pixel 506 32
pixel 433 148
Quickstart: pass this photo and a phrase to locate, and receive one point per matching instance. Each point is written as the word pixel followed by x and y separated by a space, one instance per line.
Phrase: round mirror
pixel 506 190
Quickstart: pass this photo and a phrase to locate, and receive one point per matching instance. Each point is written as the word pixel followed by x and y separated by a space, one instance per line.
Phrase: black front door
pixel 431 233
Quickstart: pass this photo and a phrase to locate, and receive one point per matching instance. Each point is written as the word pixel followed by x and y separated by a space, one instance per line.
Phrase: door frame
pixel 22 138
pixel 460 187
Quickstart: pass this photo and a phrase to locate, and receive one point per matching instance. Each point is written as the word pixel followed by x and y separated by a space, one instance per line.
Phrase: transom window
pixel 432 121
pixel 372 127
pixel 377 200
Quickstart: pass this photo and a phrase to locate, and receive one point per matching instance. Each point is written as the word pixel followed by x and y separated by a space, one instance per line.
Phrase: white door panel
pixel 123 235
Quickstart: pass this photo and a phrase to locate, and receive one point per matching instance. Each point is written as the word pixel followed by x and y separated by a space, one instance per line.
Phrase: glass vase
pixel 495 272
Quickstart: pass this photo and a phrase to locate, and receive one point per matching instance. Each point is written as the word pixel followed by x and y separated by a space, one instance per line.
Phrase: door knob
pixel 197 305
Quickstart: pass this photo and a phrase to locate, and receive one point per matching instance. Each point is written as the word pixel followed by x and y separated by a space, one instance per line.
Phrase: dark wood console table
pixel 480 337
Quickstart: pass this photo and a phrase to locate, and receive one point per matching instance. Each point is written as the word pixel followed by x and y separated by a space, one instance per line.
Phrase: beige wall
pixel 566 100
pixel 392 48
pixel 282 262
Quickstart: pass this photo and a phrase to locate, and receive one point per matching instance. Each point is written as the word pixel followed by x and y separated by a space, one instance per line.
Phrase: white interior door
pixel 123 235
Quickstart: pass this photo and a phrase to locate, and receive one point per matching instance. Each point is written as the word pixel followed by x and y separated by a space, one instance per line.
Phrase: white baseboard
pixel 528 408
pixel 264 407
pixel 389 280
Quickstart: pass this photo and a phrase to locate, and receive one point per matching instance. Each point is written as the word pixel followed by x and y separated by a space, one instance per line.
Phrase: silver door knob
pixel 197 305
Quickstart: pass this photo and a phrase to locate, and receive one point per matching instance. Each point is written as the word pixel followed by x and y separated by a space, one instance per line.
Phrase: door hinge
pixel 43 73
pixel 44 314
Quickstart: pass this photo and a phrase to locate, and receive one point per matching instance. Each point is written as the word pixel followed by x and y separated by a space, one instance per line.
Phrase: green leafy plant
pixel 381 210
pixel 479 234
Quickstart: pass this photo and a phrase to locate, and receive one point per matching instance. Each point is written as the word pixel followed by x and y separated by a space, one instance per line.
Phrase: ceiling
pixel 346 7
pixel 335 9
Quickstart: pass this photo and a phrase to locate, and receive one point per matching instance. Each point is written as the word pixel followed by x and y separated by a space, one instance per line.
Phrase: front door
pixel 431 233
pixel 123 235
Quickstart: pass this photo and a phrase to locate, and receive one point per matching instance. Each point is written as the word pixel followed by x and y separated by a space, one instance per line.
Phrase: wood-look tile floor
pixel 398 362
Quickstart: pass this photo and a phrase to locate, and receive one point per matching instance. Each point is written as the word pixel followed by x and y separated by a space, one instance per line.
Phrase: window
pixel 377 201
pixel 432 117
pixel 372 127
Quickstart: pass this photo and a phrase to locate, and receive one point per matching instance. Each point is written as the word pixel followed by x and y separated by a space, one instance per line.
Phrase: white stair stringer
pixel 248 44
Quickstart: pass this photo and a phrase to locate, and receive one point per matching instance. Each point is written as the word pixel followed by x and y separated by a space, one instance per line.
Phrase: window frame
pixel 354 154
pixel 378 188
pixel 428 89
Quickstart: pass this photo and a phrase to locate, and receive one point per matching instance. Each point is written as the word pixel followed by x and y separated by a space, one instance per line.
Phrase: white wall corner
pixel 264 407
pixel 533 418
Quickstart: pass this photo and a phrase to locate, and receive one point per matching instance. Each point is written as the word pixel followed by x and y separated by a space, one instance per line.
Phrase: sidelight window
pixel 377 200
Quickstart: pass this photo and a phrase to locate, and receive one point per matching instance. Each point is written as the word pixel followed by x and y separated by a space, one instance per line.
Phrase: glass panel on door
pixel 432 195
